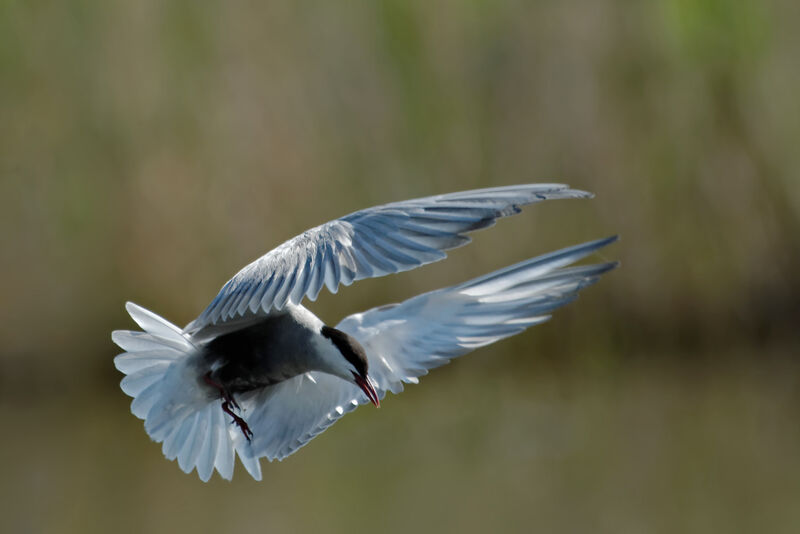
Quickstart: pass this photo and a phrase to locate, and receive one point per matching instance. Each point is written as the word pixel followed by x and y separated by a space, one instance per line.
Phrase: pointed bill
pixel 369 390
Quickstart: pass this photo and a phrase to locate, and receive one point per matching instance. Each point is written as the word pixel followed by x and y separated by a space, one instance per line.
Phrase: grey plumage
pixel 270 350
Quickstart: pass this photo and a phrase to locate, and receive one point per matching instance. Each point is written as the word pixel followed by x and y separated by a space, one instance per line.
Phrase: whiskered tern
pixel 258 375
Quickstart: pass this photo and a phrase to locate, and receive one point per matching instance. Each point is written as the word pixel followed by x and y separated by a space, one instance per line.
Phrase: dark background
pixel 148 150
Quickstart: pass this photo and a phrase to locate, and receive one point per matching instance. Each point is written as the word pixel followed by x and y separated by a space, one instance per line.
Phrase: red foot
pixel 227 402
pixel 226 407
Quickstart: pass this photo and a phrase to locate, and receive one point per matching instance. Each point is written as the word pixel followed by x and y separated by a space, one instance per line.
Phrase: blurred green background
pixel 148 150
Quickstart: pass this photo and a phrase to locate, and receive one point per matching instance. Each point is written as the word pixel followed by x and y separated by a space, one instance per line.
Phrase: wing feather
pixel 368 243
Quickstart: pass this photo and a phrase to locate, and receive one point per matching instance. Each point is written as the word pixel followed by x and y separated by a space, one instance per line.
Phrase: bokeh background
pixel 150 149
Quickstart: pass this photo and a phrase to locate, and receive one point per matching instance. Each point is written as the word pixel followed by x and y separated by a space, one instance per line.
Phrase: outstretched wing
pixel 369 243
pixel 403 341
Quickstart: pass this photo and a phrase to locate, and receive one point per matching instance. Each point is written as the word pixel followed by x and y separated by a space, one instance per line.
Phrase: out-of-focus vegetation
pixel 149 149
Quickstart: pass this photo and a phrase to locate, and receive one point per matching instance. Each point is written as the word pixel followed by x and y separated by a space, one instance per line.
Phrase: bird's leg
pixel 226 407
pixel 227 402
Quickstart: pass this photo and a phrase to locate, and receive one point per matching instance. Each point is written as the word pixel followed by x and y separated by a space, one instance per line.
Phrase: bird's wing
pixel 403 341
pixel 369 243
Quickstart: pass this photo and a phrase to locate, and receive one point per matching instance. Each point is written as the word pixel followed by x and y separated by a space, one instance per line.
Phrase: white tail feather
pixel 165 381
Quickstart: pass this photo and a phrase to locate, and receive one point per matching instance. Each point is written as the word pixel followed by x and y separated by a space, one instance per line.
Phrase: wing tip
pixel 568 192
pixel 604 241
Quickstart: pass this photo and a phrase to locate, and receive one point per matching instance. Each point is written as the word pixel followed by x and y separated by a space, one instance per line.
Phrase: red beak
pixel 369 390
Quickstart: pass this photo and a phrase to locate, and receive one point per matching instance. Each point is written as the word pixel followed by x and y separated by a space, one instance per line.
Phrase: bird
pixel 258 375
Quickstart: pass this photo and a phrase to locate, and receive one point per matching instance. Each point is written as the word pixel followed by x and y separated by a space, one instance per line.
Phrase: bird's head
pixel 351 364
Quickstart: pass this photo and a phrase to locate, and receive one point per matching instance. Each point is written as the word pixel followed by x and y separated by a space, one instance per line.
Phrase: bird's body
pixel 256 356
pixel 274 348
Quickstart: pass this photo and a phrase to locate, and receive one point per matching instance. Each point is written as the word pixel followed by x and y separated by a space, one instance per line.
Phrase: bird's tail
pixel 164 378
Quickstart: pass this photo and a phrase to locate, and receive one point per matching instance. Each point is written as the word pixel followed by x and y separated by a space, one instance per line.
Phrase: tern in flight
pixel 258 375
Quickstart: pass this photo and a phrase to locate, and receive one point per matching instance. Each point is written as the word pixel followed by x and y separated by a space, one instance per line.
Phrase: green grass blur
pixel 148 150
